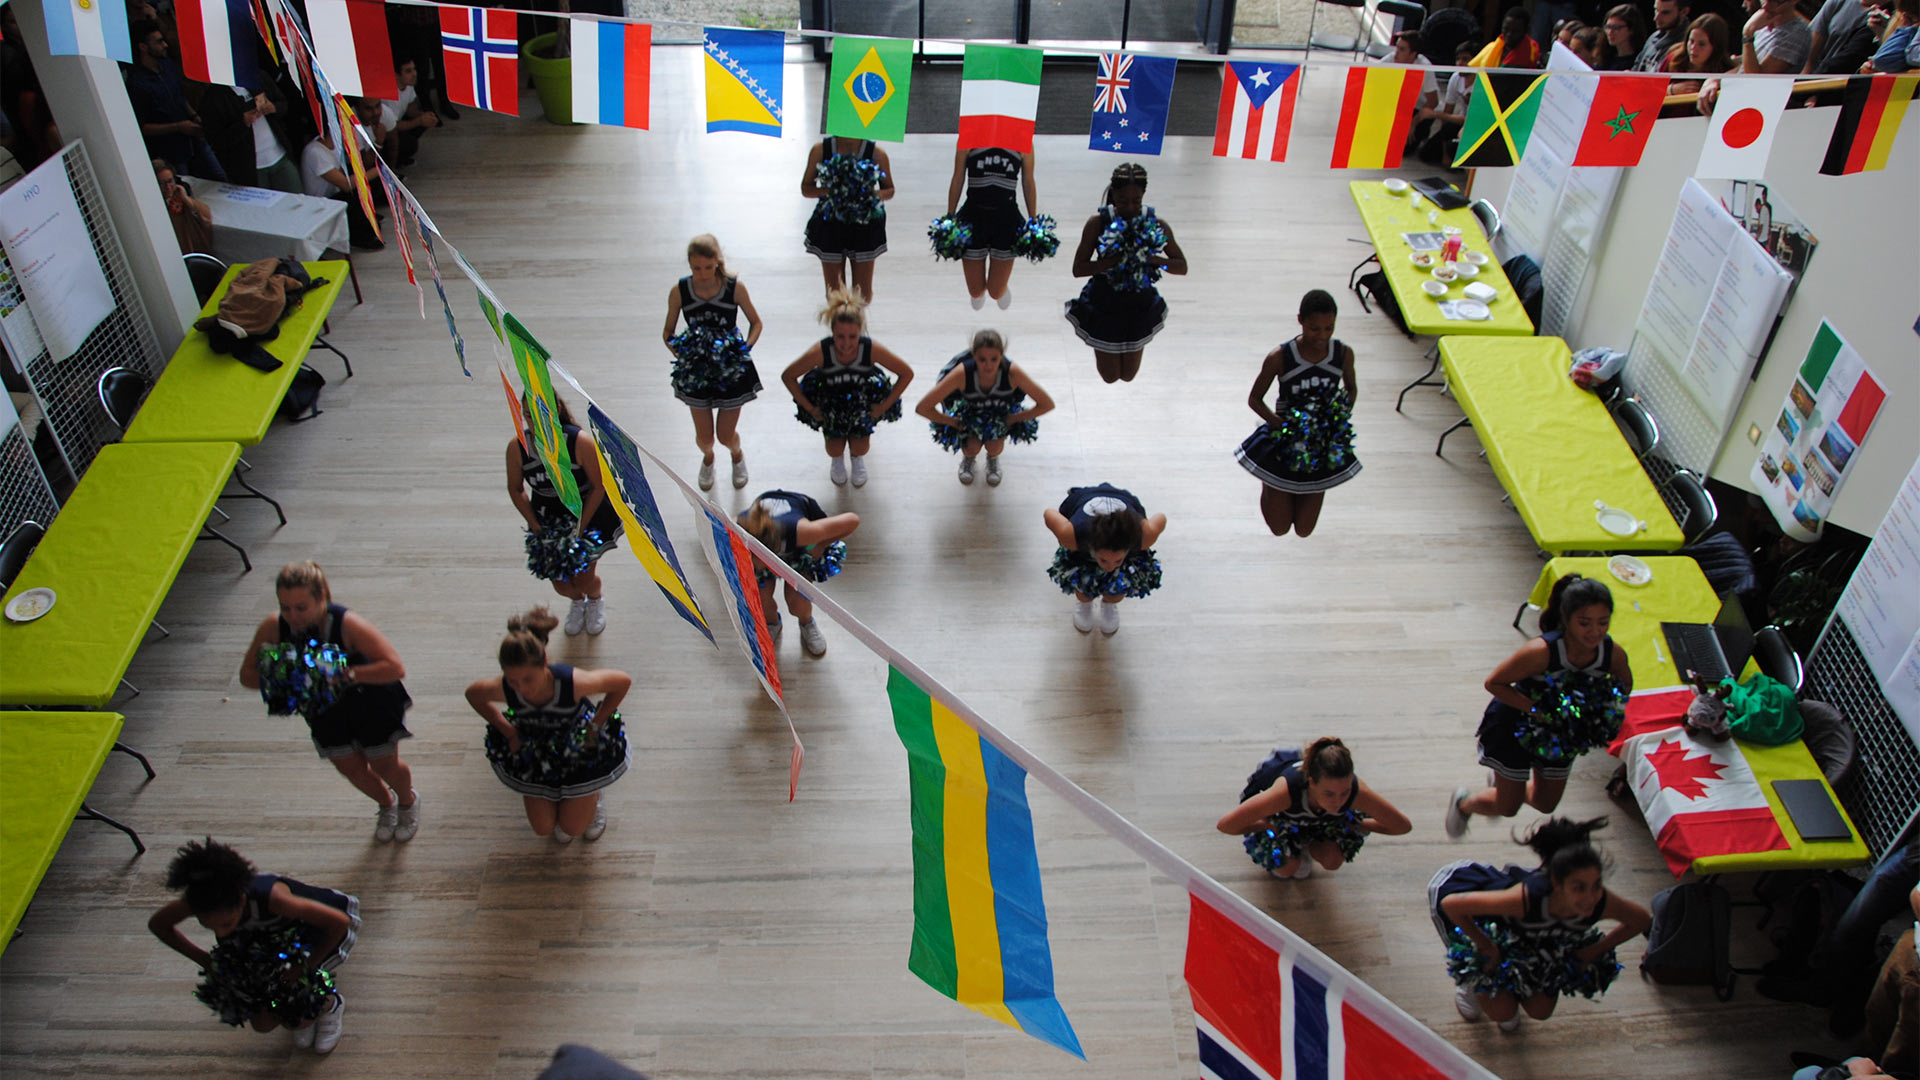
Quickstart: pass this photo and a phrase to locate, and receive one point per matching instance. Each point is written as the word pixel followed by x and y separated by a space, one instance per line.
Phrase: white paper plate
pixel 1395 185
pixel 30 605
pixel 1472 309
pixel 1618 521
pixel 1629 570
pixel 1481 291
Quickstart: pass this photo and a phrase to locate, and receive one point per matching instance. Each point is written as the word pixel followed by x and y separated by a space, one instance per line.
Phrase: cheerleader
pixel 1301 808
pixel 853 181
pixel 562 548
pixel 988 175
pixel 1124 249
pixel 1561 694
pixel 1520 939
pixel 1305 445
pixel 713 388
pixel 977 402
pixel 1106 549
pixel 277 942
pixel 357 715
pixel 805 537
pixel 552 744
pixel 839 388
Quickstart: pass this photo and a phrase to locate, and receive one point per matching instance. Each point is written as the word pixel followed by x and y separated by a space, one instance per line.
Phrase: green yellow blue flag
pixel 744 73
pixel 646 530
pixel 543 415
pixel 979 920
pixel 867 91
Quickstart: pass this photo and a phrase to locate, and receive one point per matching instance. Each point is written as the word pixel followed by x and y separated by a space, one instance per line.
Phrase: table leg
pixel 1424 380
pixel 130 686
pixel 256 493
pixel 322 342
pixel 222 537
pixel 95 815
pixel 137 756
pixel 1441 445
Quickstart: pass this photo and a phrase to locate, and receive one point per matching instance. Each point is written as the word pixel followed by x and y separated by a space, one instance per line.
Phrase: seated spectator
pixel 192 221
pixel 245 130
pixel 1513 48
pixel 1776 40
pixel 1564 30
pixel 1625 31
pixel 157 92
pixel 1445 120
pixel 403 121
pixel 1704 52
pixel 1842 40
pixel 1590 45
pixel 1898 43
pixel 1406 51
pixel 1670 18
pixel 323 176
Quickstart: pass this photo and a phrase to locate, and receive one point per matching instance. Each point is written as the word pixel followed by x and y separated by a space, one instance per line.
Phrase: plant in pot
pixel 549 60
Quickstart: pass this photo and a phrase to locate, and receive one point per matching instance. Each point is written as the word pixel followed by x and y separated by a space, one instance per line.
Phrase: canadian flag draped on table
pixel 1256 110
pixel 1131 98
pixel 1698 798
pixel 350 41
pixel 481 47
pixel 999 97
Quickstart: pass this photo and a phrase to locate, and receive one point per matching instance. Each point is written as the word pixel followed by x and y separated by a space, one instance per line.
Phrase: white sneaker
pixel 1456 821
pixel 1512 1023
pixel 303 1037
pixel 599 823
pixel 773 630
pixel 595 620
pixel 838 474
pixel 385 823
pixel 576 616
pixel 561 836
pixel 811 636
pixel 1463 1000
pixel 860 471
pixel 993 470
pixel 1109 617
pixel 966 470
pixel 407 820
pixel 326 1030
pixel 706 476
pixel 1304 870
pixel 1083 616
pixel 1005 300
pixel 978 302
pixel 739 472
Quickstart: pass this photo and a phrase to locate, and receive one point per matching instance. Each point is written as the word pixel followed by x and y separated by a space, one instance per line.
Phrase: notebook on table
pixel 1810 807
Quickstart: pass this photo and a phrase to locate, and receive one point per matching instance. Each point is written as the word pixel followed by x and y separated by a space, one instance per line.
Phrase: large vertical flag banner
pixel 979 920
pixel 349 146
pixel 1499 121
pixel 646 530
pixel 294 46
pixel 1699 798
pixel 1740 132
pixel 1132 96
pixel 481 50
pixel 549 440
pixel 1374 117
pixel 1622 116
pixel 350 41
pixel 216 42
pixel 1256 110
pixel 867 89
pixel 1870 115
pixel 89 28
pixel 612 73
pixel 999 97
pixel 745 70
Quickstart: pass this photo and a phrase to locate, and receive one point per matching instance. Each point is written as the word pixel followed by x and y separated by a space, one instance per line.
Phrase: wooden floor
pixel 717 931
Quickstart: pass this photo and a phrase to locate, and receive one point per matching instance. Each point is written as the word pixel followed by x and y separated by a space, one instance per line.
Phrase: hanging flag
pixel 349 146
pixel 979 919
pixel 1699 798
pixel 646 531
pixel 1132 96
pixel 350 42
pixel 294 45
pixel 481 47
pixel 1870 115
pixel 549 441
pixel 399 202
pixel 1499 120
pixel 999 97
pixel 1740 132
pixel 867 90
pixel 1622 116
pixel 1374 117
pixel 514 410
pixel 216 42
pixel 612 72
pixel 264 24
pixel 433 265
pixel 88 28
pixel 744 73
pixel 1256 110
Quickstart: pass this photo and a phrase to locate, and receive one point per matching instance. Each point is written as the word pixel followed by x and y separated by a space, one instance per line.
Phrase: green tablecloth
pixel 110 557
pixel 206 397
pixel 1554 446
pixel 1678 593
pixel 1386 216
pixel 47 764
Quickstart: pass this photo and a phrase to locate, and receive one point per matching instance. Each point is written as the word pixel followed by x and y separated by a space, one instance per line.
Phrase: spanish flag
pixel 1375 117
pixel 1870 116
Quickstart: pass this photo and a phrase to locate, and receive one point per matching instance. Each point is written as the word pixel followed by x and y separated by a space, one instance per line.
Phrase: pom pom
pixel 1141 243
pixel 557 553
pixel 1537 962
pixel 1281 839
pixel 264 970
pixel 1315 431
pixel 852 187
pixel 1574 711
pixel 307 679
pixel 984 419
pixel 706 361
pixel 559 756
pixel 1037 239
pixel 823 564
pixel 846 403
pixel 1076 573
pixel 950 236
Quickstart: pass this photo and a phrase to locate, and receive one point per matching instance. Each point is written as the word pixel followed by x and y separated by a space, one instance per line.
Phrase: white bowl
pixel 1477 258
pixel 1466 269
pixel 1434 289
pixel 1445 273
pixel 1396 186
pixel 1421 259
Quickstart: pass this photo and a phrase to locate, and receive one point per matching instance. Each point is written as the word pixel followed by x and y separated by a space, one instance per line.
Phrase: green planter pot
pixel 552 79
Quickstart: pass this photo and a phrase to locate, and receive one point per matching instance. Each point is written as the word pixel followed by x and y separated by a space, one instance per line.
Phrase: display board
pixel 1814 442
pixel 1881 604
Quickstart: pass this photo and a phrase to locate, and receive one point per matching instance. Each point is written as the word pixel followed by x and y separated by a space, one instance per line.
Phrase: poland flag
pixel 1740 134
pixel 1699 798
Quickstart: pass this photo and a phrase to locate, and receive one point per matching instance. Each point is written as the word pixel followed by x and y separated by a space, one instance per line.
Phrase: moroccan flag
pixel 1499 120
pixel 867 91
pixel 979 920
pixel 350 42
pixel 350 147
pixel 549 441
pixel 999 97
pixel 1740 132
pixel 1624 109
pixel 216 42
pixel 1256 110
pixel 1870 116
pixel 745 70
pixel 612 73
pixel 1374 117
pixel 1699 798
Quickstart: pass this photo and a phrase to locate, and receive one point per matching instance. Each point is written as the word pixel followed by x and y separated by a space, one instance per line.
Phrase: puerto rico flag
pixel 1256 110
pixel 1132 96
pixel 1699 798
pixel 482 51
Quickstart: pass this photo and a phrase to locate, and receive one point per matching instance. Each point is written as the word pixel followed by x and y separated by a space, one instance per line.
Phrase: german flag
pixel 1870 116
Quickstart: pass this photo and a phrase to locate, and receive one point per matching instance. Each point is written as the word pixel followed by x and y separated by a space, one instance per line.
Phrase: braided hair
pixel 1128 174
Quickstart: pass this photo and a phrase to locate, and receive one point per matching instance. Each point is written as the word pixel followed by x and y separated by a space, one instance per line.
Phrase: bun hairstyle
pixel 1570 594
pixel 1565 845
pixel 526 642
pixel 304 575
pixel 1118 530
pixel 1318 302
pixel 214 876
pixel 706 247
pixel 844 306
pixel 989 339
pixel 1327 758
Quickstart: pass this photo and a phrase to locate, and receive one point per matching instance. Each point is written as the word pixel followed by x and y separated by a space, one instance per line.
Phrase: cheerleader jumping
pixel 1305 444
pixel 562 548
pixel 1124 248
pixel 840 389
pixel 805 537
pixel 1106 550
pixel 978 402
pixel 988 176
pixel 852 180
pixel 1305 807
pixel 1521 939
pixel 713 370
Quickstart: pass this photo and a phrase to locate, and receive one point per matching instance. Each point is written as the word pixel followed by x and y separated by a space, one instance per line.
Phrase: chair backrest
pixel 121 391
pixel 1698 512
pixel 1487 216
pixel 1444 30
pixel 1636 423
pixel 1524 275
pixel 1406 14
pixel 1776 658
pixel 15 549
pixel 206 273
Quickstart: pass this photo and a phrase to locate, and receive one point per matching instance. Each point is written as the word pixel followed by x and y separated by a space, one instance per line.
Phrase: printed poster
pixel 53 258
pixel 1813 441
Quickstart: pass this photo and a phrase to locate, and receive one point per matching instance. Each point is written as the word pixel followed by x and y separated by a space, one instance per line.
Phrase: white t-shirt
pixel 316 161
pixel 266 145
pixel 392 112
pixel 1454 102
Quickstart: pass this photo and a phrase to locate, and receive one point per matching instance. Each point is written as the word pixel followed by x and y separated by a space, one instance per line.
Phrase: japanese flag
pixel 1699 798
pixel 1740 134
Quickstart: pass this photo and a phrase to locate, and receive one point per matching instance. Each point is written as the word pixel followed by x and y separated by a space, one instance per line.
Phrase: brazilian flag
pixel 867 91
pixel 1499 120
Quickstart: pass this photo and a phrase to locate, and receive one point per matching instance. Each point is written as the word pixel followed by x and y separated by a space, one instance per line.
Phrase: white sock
pixel 1084 607
pixel 978 302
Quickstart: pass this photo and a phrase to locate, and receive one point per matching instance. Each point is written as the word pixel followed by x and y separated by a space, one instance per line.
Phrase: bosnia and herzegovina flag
pixel 1870 115
pixel 979 921
pixel 867 91
pixel 612 72
pixel 744 72
pixel 646 531
pixel 1374 117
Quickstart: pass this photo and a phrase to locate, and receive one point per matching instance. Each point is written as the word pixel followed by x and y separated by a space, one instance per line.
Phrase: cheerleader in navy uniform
pixel 1106 550
pixel 853 181
pixel 713 371
pixel 360 716
pixel 1301 808
pixel 562 548
pixel 807 538
pixel 277 942
pixel 839 387
pixel 1305 445
pixel 978 402
pixel 1562 694
pixel 1124 248
pixel 988 176
pixel 1520 939
pixel 552 744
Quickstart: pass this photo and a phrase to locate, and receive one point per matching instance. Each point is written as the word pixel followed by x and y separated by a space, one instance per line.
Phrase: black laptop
pixel 1716 650
pixel 1444 195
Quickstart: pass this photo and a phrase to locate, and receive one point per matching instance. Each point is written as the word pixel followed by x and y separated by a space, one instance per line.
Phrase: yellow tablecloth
pixel 1553 446
pixel 110 557
pixel 1678 593
pixel 1790 762
pixel 1386 216
pixel 47 764
pixel 206 397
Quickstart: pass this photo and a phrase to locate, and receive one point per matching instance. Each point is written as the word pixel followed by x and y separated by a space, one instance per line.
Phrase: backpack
pixel 303 395
pixel 1375 283
pixel 1687 945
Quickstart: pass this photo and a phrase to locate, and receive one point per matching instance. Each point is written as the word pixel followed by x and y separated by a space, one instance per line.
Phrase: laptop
pixel 1810 807
pixel 1716 650
pixel 1443 194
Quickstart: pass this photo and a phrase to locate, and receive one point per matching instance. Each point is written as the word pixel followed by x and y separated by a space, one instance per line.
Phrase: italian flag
pixel 1699 798
pixel 999 97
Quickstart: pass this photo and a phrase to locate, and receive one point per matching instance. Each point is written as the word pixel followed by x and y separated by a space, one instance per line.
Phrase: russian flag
pixel 612 66
pixel 351 46
pixel 89 28
pixel 216 42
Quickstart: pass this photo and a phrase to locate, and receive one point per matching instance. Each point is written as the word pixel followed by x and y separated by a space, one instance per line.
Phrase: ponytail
pixel 1565 845
pixel 844 306
pixel 304 575
pixel 1570 594
pixel 526 642
pixel 707 247
pixel 1327 758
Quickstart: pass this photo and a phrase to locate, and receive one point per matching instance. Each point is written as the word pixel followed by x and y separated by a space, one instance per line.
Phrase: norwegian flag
pixel 1699 798
pixel 482 51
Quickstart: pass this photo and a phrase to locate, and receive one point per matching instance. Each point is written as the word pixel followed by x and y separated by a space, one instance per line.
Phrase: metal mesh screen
pixel 1885 788
pixel 1689 438
pixel 24 495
